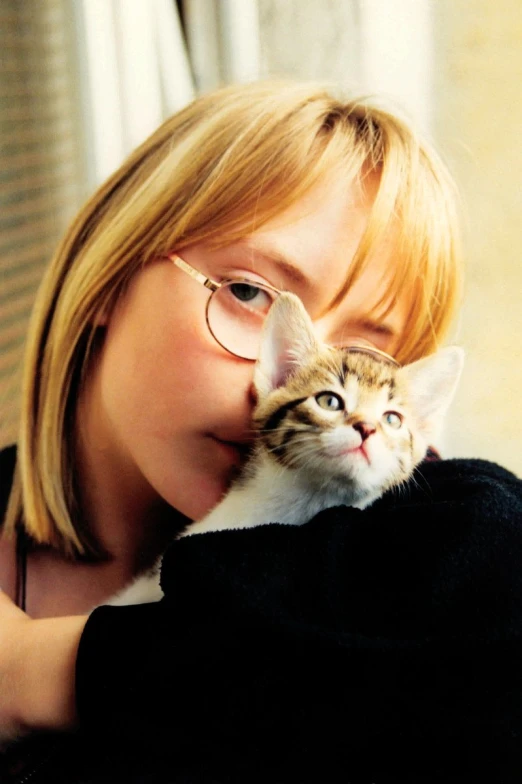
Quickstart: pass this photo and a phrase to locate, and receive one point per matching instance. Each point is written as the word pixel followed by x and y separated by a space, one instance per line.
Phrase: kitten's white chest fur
pixel 275 494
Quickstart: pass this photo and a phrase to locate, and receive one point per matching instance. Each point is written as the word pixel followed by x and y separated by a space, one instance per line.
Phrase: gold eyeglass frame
pixel 214 286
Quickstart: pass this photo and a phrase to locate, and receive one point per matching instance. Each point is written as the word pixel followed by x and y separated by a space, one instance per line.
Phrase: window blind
pixel 41 168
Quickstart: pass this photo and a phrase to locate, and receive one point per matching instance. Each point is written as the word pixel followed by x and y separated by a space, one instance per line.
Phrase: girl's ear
pixel 288 340
pixel 101 319
pixel 103 315
pixel 431 386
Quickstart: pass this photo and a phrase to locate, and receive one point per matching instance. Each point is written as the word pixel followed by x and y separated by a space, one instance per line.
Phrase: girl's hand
pixel 37 665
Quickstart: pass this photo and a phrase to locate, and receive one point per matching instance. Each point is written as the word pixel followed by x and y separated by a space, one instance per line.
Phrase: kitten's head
pixel 346 416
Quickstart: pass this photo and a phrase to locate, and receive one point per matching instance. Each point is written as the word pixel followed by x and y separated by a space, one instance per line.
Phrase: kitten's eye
pixel 330 401
pixel 393 419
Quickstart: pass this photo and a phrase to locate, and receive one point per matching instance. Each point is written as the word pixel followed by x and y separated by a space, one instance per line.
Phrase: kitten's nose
pixel 364 428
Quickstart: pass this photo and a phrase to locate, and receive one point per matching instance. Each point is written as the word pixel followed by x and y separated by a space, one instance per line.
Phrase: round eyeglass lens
pixel 236 313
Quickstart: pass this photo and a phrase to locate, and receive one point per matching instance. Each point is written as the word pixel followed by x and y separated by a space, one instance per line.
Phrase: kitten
pixel 335 427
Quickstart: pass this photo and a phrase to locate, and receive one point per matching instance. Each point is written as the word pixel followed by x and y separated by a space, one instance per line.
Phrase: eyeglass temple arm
pixel 207 282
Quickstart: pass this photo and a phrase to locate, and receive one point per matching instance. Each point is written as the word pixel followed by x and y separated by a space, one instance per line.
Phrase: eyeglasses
pixel 236 311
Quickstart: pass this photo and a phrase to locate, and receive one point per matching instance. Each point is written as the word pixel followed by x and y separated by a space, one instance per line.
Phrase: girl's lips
pixel 236 451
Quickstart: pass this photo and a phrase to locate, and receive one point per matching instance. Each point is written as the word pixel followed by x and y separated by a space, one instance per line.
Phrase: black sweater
pixel 374 646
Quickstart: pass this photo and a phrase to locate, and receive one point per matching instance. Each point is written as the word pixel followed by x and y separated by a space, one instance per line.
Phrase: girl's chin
pixel 208 481
pixel 208 492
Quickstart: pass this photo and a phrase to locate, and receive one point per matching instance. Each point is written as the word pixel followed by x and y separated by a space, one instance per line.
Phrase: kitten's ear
pixel 288 340
pixel 431 386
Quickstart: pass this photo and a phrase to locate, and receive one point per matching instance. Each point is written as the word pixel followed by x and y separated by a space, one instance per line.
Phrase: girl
pixel 136 408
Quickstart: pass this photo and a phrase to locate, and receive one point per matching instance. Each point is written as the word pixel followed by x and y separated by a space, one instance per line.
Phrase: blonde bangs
pixel 270 160
pixel 415 211
pixel 430 256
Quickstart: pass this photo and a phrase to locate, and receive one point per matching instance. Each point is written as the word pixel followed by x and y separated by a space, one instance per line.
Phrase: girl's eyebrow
pixel 379 327
pixel 289 267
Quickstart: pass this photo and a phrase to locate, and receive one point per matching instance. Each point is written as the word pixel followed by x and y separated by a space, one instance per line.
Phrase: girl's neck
pixel 125 514
pixel 129 520
pixel 57 586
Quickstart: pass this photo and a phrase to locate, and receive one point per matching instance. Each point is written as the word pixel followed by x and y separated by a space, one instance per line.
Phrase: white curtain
pixel 223 41
pixel 135 73
pixel 138 68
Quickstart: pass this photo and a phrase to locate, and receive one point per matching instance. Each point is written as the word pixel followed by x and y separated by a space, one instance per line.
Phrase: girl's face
pixel 167 410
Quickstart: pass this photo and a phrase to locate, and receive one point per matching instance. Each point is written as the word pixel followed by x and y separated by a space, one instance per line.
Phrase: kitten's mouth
pixel 355 451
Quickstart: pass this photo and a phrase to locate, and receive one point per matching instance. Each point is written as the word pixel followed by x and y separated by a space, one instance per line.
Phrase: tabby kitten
pixel 334 427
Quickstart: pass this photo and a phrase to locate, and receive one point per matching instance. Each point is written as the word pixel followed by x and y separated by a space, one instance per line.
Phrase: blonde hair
pixel 216 171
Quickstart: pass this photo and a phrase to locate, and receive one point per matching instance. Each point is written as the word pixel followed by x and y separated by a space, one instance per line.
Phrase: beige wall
pixel 478 124
pixel 475 101
pixel 310 39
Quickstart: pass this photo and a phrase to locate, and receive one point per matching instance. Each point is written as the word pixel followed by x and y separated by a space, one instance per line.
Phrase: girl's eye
pixel 330 401
pixel 254 296
pixel 393 419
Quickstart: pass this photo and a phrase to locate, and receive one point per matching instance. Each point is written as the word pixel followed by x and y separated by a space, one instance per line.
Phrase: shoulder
pixel 467 505
pixel 458 484
pixel 7 466
pixel 468 471
pixel 444 500
pixel 455 517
